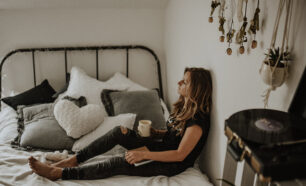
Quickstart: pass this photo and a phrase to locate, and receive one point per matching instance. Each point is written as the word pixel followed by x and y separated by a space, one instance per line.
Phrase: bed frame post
pixel 127 62
pixel 97 63
pixel 66 66
pixel 34 70
pixel 0 88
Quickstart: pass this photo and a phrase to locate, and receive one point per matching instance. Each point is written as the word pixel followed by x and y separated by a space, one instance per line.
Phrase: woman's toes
pixel 31 158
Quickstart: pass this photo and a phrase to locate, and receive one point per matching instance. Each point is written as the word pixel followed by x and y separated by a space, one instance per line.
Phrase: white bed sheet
pixel 8 125
pixel 14 170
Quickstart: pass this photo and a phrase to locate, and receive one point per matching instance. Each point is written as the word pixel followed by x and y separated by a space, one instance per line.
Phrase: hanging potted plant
pixel 274 68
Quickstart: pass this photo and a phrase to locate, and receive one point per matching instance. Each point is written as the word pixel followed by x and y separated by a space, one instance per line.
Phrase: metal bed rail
pixel 127 48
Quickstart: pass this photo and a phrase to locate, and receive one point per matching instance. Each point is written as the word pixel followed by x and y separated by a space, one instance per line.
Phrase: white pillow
pixel 121 80
pixel 78 121
pixel 83 85
pixel 166 112
pixel 110 122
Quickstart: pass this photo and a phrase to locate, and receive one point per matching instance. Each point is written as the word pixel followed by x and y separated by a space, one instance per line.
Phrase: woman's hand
pixel 134 156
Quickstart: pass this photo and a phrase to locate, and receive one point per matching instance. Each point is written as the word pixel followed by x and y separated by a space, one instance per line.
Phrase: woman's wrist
pixel 145 155
pixel 160 132
pixel 157 133
pixel 154 132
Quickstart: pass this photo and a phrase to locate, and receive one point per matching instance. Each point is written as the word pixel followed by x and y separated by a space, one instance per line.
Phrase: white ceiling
pixel 40 4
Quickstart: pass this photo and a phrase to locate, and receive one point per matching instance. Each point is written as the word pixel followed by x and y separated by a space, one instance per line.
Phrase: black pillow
pixel 146 104
pixel 39 94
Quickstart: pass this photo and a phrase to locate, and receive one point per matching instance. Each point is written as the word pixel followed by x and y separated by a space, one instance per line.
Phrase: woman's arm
pixel 190 139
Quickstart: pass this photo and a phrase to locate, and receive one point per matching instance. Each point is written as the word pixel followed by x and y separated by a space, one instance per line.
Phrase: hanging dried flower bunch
pixel 214 5
pixel 229 38
pixel 241 34
pixel 221 28
pixel 222 20
pixel 254 25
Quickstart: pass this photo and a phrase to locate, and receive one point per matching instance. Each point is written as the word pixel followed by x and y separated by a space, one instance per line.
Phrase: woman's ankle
pixel 74 160
pixel 57 173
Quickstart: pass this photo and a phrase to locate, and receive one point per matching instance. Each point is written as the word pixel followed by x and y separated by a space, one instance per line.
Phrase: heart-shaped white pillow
pixel 78 121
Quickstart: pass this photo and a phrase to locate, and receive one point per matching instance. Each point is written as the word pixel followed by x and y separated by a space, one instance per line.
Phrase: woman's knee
pixel 124 130
pixel 121 129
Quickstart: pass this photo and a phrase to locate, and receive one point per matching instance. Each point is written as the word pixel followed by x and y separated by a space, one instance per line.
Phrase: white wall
pixel 191 41
pixel 56 27
pixel 181 35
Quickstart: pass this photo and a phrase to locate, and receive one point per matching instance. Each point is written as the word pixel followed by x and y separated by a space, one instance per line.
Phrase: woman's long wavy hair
pixel 198 99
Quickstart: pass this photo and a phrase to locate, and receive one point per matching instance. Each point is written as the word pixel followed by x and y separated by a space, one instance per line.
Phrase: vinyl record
pixel 266 126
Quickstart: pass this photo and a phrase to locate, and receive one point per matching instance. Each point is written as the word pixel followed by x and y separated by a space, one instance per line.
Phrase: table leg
pixel 261 183
pixel 229 171
pixel 248 175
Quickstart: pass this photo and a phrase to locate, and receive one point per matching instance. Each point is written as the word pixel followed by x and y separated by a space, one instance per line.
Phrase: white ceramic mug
pixel 144 128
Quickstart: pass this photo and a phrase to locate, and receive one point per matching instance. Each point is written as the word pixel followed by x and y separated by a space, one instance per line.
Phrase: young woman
pixel 182 142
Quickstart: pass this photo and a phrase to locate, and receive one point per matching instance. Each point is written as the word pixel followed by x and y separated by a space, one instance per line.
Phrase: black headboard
pixel 298 103
pixel 125 48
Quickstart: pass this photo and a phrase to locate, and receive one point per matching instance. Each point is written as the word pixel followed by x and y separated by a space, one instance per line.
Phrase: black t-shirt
pixel 171 140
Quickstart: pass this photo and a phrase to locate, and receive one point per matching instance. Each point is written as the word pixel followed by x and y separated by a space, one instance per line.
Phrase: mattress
pixel 14 168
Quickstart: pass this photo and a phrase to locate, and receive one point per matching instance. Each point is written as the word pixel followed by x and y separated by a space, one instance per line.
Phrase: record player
pixel 272 142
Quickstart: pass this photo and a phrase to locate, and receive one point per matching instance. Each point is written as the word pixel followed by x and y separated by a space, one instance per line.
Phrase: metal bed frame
pixel 127 48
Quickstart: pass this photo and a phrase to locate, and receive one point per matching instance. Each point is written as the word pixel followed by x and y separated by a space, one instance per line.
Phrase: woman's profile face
pixel 183 84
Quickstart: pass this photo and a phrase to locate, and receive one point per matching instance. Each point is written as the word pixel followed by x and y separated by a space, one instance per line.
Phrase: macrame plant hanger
pixel 288 4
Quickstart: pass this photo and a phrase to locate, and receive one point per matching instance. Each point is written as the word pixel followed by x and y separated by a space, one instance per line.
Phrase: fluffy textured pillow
pixel 126 120
pixel 83 85
pixel 39 94
pixel 145 104
pixel 38 129
pixel 78 121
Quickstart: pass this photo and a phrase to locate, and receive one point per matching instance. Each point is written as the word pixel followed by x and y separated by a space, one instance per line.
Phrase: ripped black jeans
pixel 118 165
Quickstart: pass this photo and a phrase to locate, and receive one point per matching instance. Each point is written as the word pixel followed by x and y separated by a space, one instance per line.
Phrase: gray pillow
pixel 146 104
pixel 39 130
pixel 46 134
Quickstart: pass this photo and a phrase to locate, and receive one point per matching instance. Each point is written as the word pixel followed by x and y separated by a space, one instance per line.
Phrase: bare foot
pixel 69 162
pixel 42 169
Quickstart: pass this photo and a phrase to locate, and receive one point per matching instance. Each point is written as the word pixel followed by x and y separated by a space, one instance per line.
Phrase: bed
pixel 14 169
